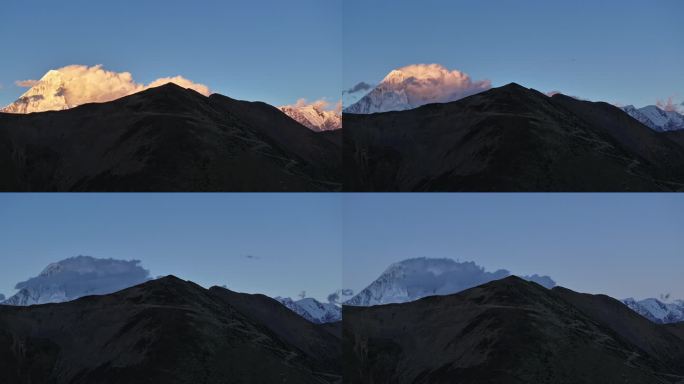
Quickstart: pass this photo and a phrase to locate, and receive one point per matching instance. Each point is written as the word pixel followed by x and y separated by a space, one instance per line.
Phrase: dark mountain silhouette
pixel 509 331
pixel 165 331
pixel 166 139
pixel 509 139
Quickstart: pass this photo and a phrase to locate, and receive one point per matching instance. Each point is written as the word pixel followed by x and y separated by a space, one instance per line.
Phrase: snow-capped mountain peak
pixel 656 310
pixel 314 116
pixel 413 279
pixel 78 276
pixel 415 85
pixel 655 118
pixel 312 309
pixel 45 95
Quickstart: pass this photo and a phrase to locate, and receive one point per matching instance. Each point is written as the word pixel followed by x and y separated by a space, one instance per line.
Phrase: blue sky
pixel 269 50
pixel 619 51
pixel 295 239
pixel 619 244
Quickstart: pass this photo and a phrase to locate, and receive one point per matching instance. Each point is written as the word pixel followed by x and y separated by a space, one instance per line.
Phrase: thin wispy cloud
pixel 358 87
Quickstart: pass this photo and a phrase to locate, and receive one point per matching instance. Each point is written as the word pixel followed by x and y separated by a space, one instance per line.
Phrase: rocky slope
pixel 509 139
pixel 509 331
pixel 165 331
pixel 166 139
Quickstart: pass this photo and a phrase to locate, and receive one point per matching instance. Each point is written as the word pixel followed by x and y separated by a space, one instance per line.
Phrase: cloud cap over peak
pixel 414 85
pixel 74 85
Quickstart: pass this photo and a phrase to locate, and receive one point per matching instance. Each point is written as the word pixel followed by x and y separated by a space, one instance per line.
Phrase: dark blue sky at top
pixel 619 51
pixel 269 50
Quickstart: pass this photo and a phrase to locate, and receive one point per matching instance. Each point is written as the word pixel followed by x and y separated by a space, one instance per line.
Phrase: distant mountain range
pixel 166 331
pixel 509 331
pixel 313 310
pixel 510 138
pixel 657 311
pixel 413 279
pixel 314 117
pixel 656 118
pixel 166 139
pixel 415 85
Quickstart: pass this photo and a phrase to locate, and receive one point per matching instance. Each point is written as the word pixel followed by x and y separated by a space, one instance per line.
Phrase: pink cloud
pixel 668 105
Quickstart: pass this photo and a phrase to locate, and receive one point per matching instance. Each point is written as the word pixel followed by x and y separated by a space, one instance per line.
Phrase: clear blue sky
pixel 295 239
pixel 269 50
pixel 626 51
pixel 619 244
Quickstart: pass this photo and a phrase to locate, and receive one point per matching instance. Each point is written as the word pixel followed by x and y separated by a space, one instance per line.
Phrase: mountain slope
pixel 415 85
pixel 508 139
pixel 46 95
pixel 78 276
pixel 656 118
pixel 505 331
pixel 413 279
pixel 313 117
pixel 165 139
pixel 165 330
pixel 657 311
pixel 313 310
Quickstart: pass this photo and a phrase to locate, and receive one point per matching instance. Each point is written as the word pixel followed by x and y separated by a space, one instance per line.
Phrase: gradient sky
pixel 623 245
pixel 295 239
pixel 619 51
pixel 268 50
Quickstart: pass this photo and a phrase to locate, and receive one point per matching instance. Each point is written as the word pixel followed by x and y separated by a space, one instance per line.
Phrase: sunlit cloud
pixel 669 105
pixel 436 83
pixel 26 83
pixel 81 84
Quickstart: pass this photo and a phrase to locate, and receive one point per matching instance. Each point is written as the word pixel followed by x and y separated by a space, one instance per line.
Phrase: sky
pixel 275 244
pixel 618 51
pixel 623 245
pixel 267 50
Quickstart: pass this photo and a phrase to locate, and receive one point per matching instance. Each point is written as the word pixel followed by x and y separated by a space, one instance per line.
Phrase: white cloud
pixel 434 83
pixel 83 84
pixel 85 275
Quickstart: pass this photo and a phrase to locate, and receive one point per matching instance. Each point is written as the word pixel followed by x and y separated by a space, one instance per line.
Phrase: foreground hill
pixel 509 139
pixel 166 139
pixel 165 331
pixel 509 331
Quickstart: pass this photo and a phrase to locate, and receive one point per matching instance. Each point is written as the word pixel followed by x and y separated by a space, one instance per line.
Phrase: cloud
pixel 85 275
pixel 2 297
pixel 544 281
pixel 552 93
pixel 320 104
pixel 183 82
pixel 669 105
pixel 83 84
pixel 251 257
pixel 26 83
pixel 434 83
pixel 361 86
pixel 340 296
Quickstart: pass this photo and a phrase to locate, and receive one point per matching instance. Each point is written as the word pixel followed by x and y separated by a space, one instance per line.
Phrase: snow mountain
pixel 415 85
pixel 656 118
pixel 657 311
pixel 76 277
pixel 413 279
pixel 314 117
pixel 46 95
pixel 312 309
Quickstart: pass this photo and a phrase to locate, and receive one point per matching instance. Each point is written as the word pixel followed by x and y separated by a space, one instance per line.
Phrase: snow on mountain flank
pixel 314 115
pixel 76 277
pixel 657 311
pixel 413 279
pixel 415 85
pixel 74 85
pixel 312 309
pixel 656 118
